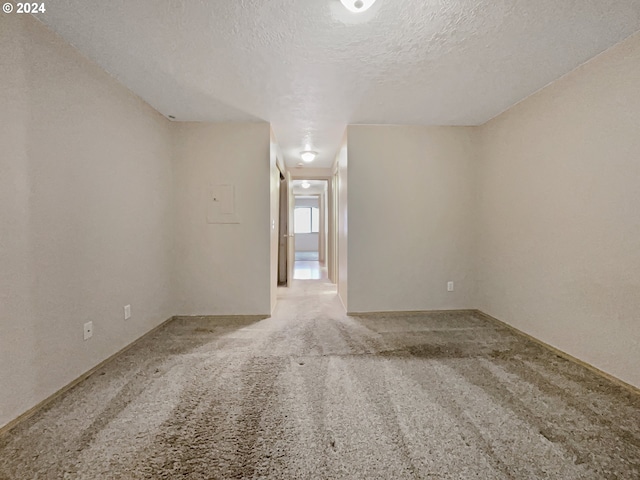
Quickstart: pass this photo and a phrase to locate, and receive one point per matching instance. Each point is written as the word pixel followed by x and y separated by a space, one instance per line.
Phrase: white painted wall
pixel 223 268
pixel 560 214
pixel 411 209
pixel 332 231
pixel 308 202
pixel 85 216
pixel 324 226
pixel 342 174
pixel 274 176
pixel 307 242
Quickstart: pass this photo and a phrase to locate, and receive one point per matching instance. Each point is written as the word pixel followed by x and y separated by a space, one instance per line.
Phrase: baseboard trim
pixel 220 317
pixel 621 383
pixel 40 405
pixel 410 312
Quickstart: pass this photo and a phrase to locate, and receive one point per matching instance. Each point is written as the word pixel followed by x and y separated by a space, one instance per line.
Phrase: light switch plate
pixel 127 312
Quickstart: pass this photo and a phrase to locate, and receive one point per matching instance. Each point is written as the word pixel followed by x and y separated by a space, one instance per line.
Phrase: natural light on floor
pixel 307 271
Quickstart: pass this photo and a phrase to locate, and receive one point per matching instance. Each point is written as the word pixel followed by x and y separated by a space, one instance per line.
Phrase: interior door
pixel 283 232
pixel 291 243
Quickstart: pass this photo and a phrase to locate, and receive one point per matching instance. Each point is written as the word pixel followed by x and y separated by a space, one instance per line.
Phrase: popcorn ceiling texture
pixel 310 67
pixel 311 393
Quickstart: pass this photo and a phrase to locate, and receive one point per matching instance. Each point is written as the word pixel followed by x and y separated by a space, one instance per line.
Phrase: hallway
pixel 313 393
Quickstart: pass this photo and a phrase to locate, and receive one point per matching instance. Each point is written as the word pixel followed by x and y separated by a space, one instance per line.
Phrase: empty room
pixel 320 239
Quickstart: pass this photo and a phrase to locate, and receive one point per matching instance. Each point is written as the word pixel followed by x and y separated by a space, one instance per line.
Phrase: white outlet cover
pixel 127 312
pixel 450 286
pixel 88 330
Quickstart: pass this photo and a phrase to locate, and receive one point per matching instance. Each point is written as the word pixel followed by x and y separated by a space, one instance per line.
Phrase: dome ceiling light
pixel 357 6
pixel 308 156
pixel 305 185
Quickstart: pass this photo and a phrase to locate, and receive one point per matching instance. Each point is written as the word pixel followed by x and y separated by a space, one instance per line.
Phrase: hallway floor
pixel 314 394
pixel 309 270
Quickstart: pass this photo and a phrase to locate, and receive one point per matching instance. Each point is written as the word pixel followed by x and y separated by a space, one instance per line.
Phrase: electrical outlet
pixel 88 330
pixel 449 286
pixel 127 312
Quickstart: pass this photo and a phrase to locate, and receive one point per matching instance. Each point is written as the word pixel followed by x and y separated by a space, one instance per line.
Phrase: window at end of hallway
pixel 306 220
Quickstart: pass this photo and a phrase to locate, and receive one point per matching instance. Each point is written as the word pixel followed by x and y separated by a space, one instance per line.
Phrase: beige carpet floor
pixel 312 394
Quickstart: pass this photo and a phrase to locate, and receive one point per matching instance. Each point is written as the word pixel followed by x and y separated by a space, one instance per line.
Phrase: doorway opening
pixel 310 227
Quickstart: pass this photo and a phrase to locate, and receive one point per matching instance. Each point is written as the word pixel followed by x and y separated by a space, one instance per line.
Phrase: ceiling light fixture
pixel 357 6
pixel 305 184
pixel 308 156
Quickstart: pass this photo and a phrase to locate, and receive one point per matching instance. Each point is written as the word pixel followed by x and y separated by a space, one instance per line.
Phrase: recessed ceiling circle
pixel 357 6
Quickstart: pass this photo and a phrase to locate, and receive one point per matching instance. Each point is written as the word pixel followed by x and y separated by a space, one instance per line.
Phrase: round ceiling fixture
pixel 305 184
pixel 308 156
pixel 357 6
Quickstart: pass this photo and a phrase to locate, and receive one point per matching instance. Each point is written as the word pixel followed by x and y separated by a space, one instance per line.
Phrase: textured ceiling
pixel 310 67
